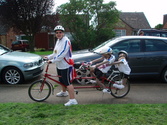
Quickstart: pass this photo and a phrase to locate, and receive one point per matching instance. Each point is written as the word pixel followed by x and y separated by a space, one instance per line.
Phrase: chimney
pixel 165 19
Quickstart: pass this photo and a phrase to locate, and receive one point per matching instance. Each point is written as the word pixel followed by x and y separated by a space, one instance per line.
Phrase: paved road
pixel 142 91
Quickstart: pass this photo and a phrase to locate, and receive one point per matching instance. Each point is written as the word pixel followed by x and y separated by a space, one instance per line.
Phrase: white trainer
pixel 92 81
pixel 71 102
pixel 118 86
pixel 118 82
pixel 62 94
pixel 106 91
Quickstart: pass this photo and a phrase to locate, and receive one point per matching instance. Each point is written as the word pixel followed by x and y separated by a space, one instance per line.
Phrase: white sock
pixel 72 99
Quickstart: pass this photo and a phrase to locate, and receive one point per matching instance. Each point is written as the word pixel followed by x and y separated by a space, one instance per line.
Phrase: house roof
pixel 136 20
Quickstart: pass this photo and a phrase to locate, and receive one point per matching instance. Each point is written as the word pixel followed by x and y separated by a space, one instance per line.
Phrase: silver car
pixel 147 54
pixel 16 67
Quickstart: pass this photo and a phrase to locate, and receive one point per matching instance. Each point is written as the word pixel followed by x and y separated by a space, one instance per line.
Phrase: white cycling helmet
pixel 106 50
pixel 59 27
pixel 123 51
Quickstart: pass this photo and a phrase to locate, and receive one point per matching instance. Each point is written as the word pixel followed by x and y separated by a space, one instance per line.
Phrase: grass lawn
pixel 92 114
pixel 43 52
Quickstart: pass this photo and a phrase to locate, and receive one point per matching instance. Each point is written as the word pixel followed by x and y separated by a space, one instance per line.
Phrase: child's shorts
pixel 98 73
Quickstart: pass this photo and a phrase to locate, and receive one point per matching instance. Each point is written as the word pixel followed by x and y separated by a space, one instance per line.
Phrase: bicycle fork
pixel 43 83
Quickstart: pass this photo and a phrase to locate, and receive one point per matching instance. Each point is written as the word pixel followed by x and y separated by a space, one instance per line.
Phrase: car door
pixel 155 56
pixel 136 56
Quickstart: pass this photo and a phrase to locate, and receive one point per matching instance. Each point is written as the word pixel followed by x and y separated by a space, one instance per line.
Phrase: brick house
pixel 165 22
pixel 130 22
pixel 7 34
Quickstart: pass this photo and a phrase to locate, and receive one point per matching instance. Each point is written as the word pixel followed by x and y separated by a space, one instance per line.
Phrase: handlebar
pixel 44 59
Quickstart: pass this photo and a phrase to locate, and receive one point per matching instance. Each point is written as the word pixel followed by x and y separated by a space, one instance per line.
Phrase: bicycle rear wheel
pixel 119 93
pixel 39 90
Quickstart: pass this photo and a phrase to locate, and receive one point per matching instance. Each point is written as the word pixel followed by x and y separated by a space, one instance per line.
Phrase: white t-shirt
pixel 123 67
pixel 105 67
pixel 61 51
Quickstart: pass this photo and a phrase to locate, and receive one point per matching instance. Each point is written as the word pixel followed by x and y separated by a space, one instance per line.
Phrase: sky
pixel 154 10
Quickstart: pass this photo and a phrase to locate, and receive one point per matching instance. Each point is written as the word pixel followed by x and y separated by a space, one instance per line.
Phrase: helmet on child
pixel 59 27
pixel 106 50
pixel 124 52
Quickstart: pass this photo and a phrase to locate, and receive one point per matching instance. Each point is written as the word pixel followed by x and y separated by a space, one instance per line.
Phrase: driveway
pixel 142 91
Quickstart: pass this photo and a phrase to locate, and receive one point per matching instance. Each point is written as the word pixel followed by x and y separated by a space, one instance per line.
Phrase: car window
pixel 164 34
pixel 130 46
pixel 25 42
pixel 155 45
pixel 16 42
pixel 155 34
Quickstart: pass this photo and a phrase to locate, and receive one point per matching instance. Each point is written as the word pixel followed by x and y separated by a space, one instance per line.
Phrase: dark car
pixel 147 54
pixel 20 45
pixel 153 32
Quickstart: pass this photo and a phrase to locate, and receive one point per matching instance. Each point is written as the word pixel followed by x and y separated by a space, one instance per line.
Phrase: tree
pixel 90 21
pixel 25 15
pixel 159 26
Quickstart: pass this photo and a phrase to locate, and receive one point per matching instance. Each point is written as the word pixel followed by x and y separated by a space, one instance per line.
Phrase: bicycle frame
pixel 41 89
pixel 50 76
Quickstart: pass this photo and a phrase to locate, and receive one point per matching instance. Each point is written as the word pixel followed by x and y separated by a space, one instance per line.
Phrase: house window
pixel 120 32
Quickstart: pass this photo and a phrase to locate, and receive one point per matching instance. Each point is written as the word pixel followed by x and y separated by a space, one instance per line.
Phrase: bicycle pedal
pixel 76 92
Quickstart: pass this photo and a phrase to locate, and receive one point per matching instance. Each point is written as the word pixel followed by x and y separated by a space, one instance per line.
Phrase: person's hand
pixel 45 58
pixel 92 68
pixel 89 63
pixel 49 61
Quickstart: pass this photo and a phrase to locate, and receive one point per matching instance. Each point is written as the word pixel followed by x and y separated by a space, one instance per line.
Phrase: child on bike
pixel 123 67
pixel 99 69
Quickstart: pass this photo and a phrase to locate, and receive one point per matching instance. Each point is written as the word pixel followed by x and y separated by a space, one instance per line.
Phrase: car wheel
pixel 164 75
pixel 12 75
pixel 83 73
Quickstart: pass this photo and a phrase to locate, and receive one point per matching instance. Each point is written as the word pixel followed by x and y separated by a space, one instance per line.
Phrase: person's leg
pixel 71 91
pixel 70 87
pixel 100 84
pixel 124 81
pixel 64 92
pixel 92 72
pixel 125 78
pixel 122 84
pixel 99 74
pixel 64 89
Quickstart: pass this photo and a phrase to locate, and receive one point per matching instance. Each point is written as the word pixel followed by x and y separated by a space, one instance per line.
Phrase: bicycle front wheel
pixel 39 90
pixel 119 93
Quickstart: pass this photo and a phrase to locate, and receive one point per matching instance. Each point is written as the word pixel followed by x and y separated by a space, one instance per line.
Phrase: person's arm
pixel 97 60
pixel 64 50
pixel 49 57
pixel 117 62
pixel 99 64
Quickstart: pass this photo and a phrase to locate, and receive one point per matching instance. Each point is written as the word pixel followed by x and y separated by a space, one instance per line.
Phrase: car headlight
pixel 28 65
pixel 31 64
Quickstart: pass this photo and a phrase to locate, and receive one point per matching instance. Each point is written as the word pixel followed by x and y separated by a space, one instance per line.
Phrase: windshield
pixel 106 43
pixel 4 50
